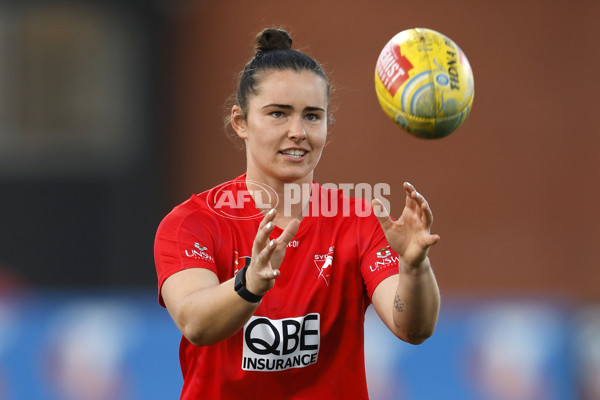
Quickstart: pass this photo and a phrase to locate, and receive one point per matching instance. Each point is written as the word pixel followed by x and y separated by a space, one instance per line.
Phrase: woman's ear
pixel 238 122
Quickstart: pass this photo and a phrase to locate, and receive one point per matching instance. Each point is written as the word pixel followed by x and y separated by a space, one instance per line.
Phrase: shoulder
pixel 193 209
pixel 200 209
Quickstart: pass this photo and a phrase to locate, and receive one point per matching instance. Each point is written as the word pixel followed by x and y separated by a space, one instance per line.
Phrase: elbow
pixel 415 337
pixel 193 331
pixel 204 335
pixel 193 335
pixel 198 337
pixel 415 332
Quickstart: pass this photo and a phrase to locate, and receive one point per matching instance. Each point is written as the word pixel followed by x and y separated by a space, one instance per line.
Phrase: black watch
pixel 240 287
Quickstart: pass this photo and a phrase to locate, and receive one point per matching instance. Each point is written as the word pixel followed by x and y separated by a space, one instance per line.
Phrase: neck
pixel 288 198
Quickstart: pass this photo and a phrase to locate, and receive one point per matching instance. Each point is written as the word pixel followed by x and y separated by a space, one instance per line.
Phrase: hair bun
pixel 273 39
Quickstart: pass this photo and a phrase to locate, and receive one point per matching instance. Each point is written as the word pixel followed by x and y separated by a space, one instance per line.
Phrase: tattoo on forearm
pixel 398 304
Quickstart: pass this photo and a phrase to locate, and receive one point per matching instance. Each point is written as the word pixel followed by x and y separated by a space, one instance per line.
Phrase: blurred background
pixel 111 113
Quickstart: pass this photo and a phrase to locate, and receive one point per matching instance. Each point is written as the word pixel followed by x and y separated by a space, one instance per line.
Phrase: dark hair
pixel 274 52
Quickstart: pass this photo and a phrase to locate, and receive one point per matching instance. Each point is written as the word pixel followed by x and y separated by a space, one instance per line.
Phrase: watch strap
pixel 240 287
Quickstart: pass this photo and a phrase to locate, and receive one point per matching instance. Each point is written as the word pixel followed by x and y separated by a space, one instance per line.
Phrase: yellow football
pixel 424 83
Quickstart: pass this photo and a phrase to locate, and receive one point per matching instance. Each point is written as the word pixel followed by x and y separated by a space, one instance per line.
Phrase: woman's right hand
pixel 267 255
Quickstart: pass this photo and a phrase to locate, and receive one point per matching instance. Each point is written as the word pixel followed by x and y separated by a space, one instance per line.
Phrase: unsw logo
pixel 385 259
pixel 280 344
pixel 384 252
pixel 199 253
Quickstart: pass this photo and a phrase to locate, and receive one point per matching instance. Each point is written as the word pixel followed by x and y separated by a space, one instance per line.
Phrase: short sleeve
pixel 183 240
pixel 377 260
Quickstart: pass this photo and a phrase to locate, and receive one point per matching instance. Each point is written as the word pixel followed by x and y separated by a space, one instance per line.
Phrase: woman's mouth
pixel 295 153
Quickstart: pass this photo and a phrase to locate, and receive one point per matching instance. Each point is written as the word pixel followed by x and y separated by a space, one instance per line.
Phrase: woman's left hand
pixel 410 235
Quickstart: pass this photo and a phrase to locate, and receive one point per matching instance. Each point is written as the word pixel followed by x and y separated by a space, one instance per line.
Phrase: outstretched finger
pixel 424 211
pixel 288 233
pixel 412 196
pixel 264 230
pixel 427 214
pixel 277 247
pixel 264 257
pixel 432 239
pixel 415 196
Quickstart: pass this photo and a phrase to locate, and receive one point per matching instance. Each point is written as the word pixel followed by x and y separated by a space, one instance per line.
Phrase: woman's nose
pixel 297 131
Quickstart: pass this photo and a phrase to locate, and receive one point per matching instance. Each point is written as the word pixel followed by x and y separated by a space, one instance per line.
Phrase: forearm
pixel 211 314
pixel 207 311
pixel 416 303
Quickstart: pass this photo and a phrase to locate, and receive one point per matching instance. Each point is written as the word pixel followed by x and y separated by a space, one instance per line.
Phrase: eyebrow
pixel 289 107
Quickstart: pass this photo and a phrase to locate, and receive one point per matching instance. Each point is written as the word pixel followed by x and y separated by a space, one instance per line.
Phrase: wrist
pixel 414 269
pixel 253 282
pixel 242 289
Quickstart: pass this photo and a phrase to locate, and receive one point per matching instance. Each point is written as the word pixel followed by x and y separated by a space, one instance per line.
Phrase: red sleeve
pixel 183 240
pixel 377 260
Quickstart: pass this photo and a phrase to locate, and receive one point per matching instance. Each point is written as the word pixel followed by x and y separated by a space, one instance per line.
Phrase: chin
pixel 293 176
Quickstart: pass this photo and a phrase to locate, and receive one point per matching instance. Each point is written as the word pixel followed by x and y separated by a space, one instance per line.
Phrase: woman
pixel 257 324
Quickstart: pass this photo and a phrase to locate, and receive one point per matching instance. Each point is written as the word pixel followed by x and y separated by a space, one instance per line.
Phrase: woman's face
pixel 285 126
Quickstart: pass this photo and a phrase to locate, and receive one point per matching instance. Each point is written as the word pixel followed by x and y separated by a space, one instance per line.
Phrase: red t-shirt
pixel 306 339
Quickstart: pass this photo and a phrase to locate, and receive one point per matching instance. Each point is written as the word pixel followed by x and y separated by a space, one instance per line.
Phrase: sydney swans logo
pixel 324 263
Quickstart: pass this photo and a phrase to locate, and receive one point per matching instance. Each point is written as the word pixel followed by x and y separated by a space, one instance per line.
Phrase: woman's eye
pixel 277 114
pixel 312 117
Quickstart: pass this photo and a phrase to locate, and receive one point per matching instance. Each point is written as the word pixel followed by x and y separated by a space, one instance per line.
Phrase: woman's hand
pixel 409 236
pixel 267 255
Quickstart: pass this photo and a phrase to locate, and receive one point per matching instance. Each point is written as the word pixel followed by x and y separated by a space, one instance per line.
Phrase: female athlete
pixel 269 294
